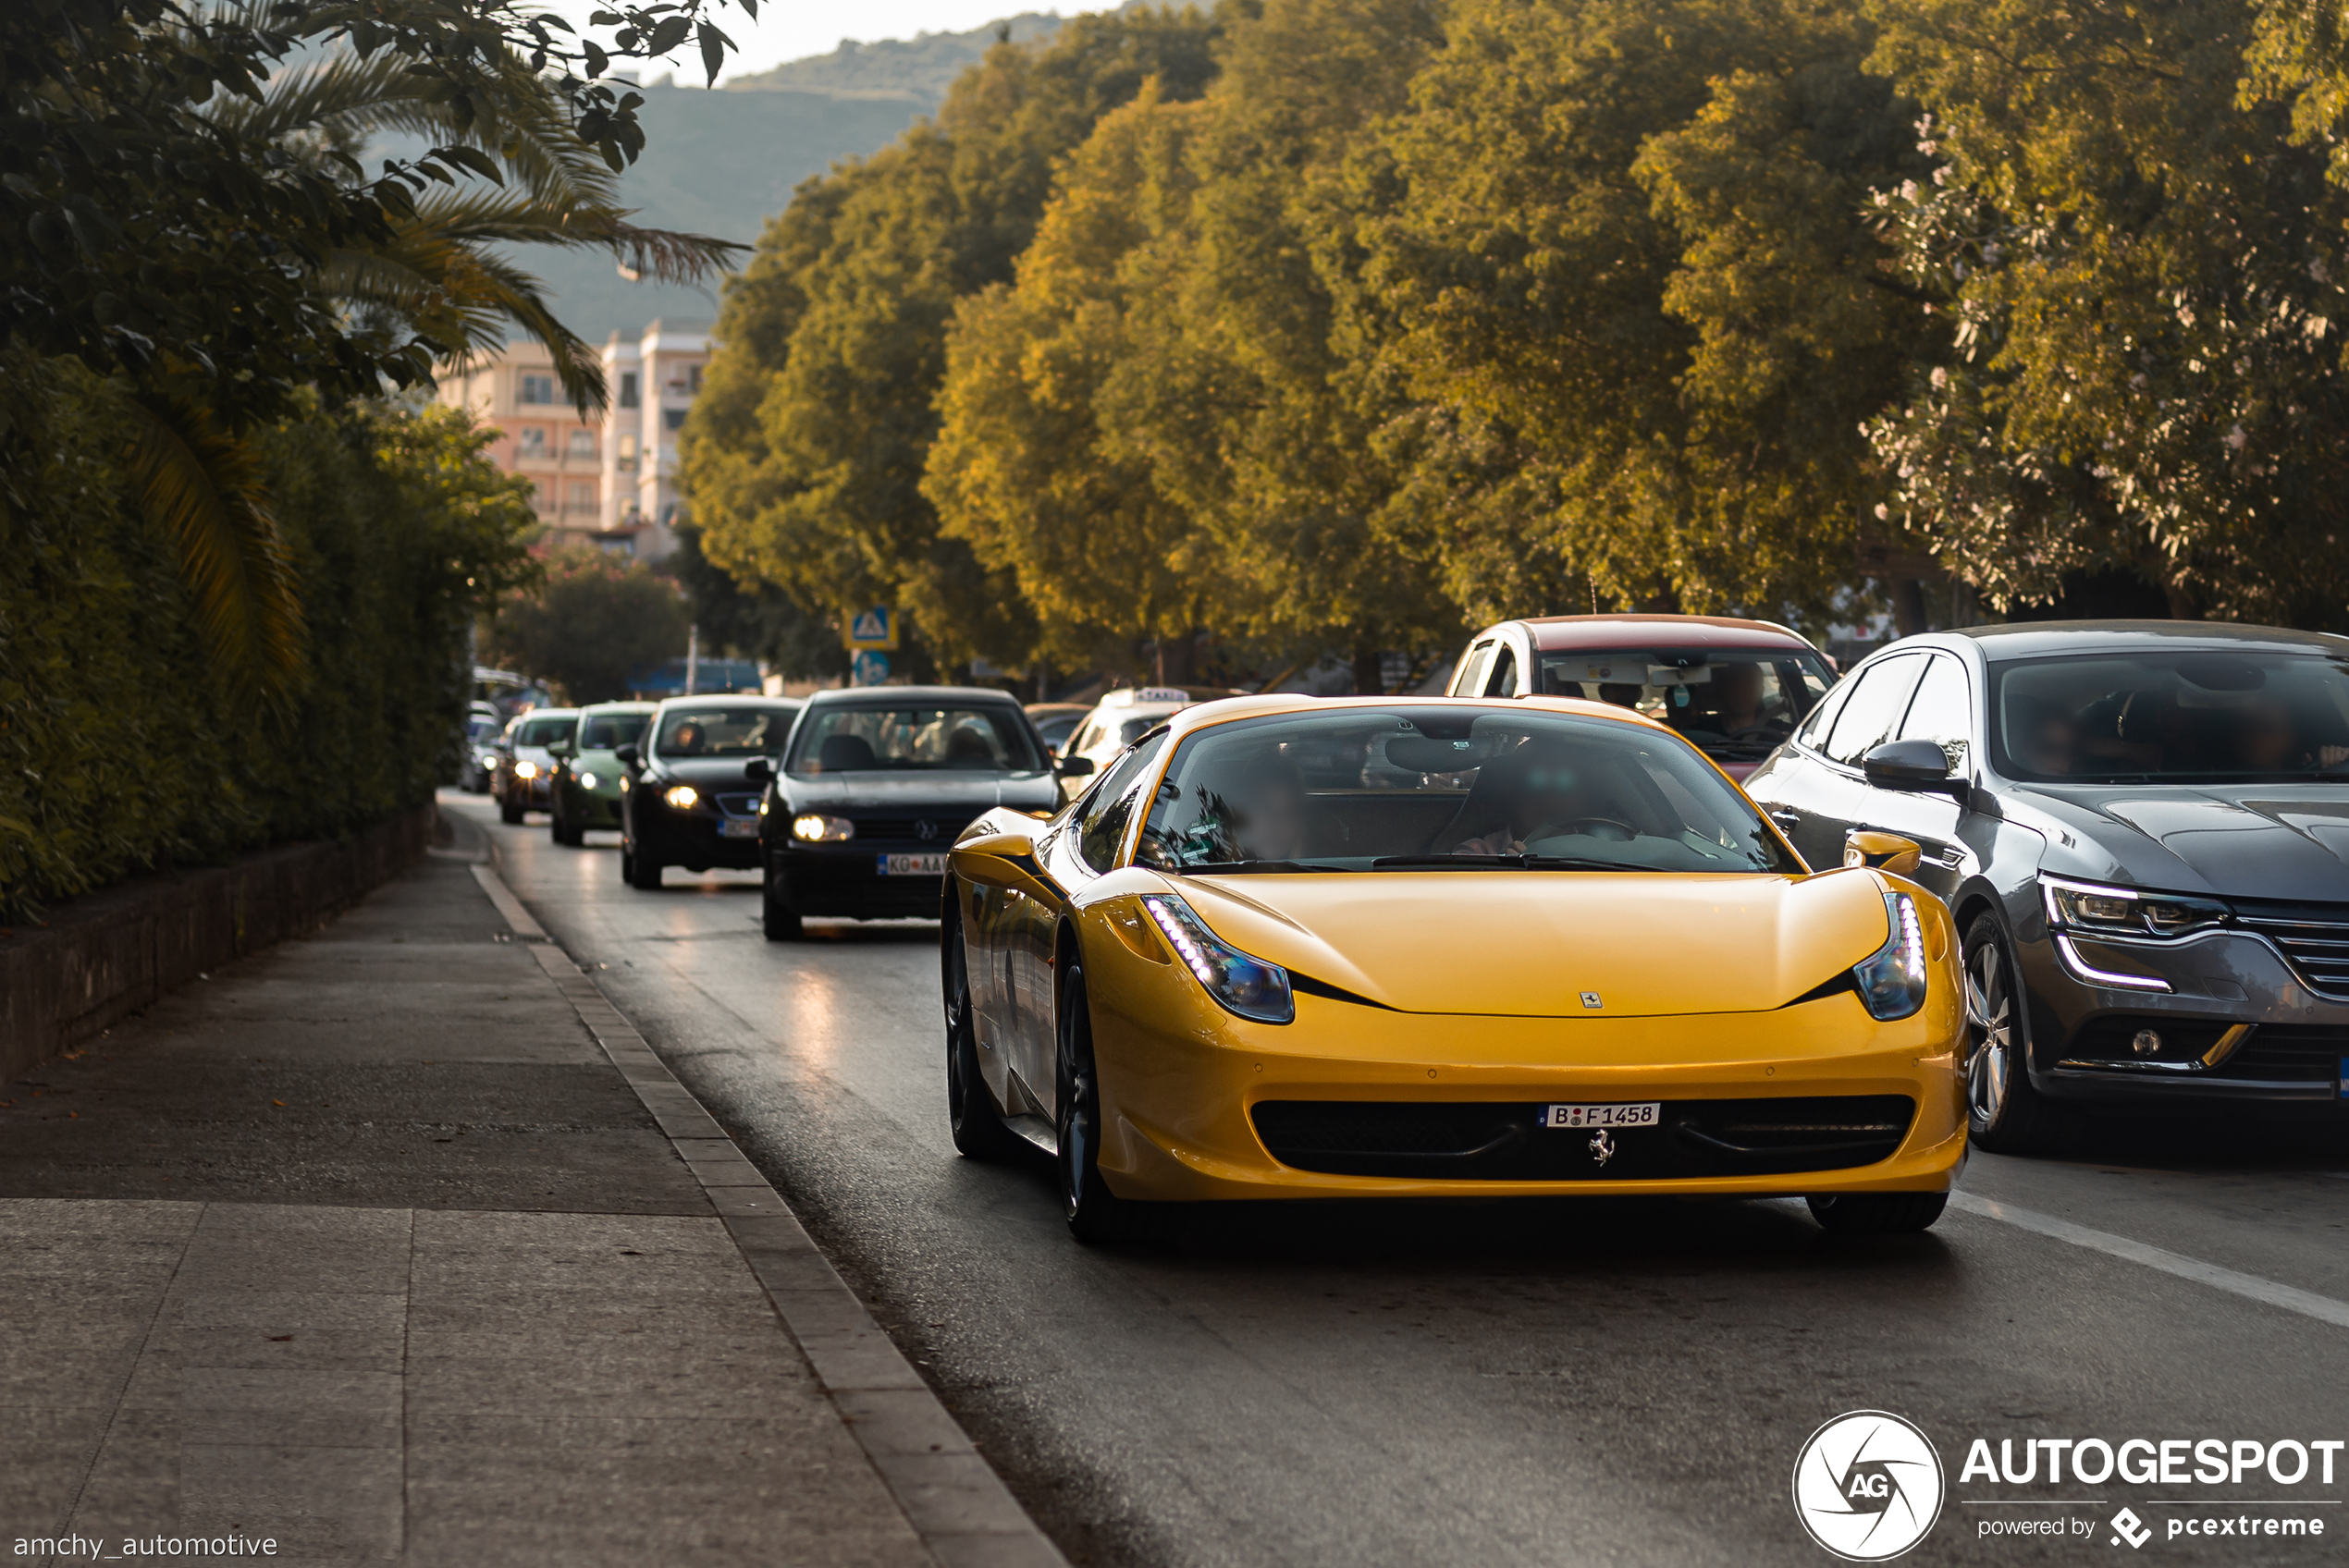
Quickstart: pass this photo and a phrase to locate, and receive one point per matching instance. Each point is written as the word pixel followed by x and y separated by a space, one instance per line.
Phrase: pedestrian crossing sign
pixel 875 628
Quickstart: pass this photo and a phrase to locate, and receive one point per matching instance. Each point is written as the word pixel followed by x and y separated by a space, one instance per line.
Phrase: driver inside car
pixel 1540 793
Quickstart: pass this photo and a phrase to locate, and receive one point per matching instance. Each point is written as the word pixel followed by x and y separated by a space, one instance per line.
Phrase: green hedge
pixel 119 751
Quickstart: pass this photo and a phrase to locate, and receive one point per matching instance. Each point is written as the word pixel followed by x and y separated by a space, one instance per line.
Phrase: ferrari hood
pixel 1524 944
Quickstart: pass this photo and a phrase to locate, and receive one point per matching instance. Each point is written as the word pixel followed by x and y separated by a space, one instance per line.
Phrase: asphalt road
pixel 1577 1381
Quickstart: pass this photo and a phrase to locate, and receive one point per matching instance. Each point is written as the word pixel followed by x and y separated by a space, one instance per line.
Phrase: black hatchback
pixel 874 786
pixel 690 794
pixel 2142 829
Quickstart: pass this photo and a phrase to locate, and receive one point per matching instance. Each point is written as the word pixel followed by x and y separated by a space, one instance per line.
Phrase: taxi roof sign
pixel 1126 697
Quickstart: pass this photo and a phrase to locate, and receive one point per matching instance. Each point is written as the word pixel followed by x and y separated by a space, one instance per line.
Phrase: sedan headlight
pixel 1891 979
pixel 1246 985
pixel 681 797
pixel 2094 910
pixel 815 828
pixel 525 770
pixel 586 780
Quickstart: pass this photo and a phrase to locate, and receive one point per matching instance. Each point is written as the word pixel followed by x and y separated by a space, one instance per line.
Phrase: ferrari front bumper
pixel 1813 1098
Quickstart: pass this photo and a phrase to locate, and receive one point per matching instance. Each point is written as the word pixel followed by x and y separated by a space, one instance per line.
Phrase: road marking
pixel 2325 1309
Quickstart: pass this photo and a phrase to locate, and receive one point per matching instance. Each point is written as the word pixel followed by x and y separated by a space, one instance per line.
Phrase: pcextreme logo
pixel 1867 1485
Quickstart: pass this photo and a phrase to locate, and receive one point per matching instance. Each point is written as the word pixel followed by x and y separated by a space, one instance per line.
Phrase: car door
pixel 1822 789
pixel 1941 711
pixel 1080 848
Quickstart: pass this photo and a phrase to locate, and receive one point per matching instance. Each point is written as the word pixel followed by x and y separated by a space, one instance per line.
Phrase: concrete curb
pixel 957 1504
pixel 110 953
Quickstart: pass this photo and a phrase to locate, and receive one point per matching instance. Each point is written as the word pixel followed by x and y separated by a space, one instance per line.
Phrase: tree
pixel 803 457
pixel 1254 389
pixel 596 621
pixel 1023 471
pixel 2142 264
pixel 183 209
pixel 1628 286
pixel 759 623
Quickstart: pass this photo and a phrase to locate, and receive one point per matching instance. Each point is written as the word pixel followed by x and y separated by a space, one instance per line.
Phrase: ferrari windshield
pixel 1434 789
pixel 2155 714
pixel 869 740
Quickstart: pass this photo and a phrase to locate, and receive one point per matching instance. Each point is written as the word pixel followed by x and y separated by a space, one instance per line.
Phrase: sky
pixel 791 29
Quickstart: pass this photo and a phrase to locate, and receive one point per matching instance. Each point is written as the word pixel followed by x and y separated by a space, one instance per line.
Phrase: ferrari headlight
pixel 586 780
pixel 1892 980
pixel 818 829
pixel 681 797
pixel 2126 911
pixel 525 769
pixel 1246 985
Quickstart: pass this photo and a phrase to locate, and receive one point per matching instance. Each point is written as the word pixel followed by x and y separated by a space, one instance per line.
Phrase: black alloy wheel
pixel 642 870
pixel 1878 1214
pixel 562 832
pixel 2004 1113
pixel 774 905
pixel 509 812
pixel 1095 1214
pixel 978 1129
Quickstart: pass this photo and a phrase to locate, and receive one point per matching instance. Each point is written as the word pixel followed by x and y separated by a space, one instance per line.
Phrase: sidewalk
pixel 398 1245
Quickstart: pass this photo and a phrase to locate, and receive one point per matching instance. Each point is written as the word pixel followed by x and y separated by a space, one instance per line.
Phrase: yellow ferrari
pixel 1288 948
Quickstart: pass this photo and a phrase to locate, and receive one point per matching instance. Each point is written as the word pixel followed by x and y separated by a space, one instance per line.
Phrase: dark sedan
pixel 2142 829
pixel 874 786
pixel 689 796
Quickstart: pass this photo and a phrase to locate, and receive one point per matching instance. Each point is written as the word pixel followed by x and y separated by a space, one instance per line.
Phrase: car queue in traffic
pixel 1631 904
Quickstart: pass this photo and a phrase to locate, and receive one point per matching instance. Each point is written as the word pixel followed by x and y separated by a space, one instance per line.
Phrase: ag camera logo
pixel 1868 1485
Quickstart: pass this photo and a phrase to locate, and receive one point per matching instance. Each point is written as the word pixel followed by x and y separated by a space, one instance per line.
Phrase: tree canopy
pixel 1371 319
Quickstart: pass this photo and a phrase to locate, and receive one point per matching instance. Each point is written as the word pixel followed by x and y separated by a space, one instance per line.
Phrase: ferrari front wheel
pixel 1095 1214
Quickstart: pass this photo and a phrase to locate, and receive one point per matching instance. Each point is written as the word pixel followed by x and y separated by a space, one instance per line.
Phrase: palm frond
pixel 201 486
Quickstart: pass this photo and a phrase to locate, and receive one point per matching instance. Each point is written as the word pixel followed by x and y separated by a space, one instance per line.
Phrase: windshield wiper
pixel 1486 863
pixel 1251 866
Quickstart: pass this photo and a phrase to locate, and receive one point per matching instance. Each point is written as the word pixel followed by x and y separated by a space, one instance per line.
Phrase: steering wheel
pixel 1604 828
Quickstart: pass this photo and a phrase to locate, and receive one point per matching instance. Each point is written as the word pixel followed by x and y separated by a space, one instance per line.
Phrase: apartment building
pixel 611 481
pixel 654 380
pixel 540 436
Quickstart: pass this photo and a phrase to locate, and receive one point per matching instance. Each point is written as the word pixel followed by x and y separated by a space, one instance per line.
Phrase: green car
pixel 585 789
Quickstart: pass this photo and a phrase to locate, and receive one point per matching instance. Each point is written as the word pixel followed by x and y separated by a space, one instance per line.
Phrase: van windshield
pixel 1735 706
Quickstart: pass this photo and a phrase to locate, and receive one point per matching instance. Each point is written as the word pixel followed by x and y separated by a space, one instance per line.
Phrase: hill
pixel 724 161
pixel 915 70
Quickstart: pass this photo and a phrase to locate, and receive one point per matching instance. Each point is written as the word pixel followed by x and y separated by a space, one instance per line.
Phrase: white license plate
pixel 1602 1115
pixel 911 865
pixel 738 828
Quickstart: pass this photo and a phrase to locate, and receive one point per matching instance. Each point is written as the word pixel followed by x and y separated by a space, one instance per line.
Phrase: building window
pixel 542 498
pixel 583 442
pixel 538 389
pixel 693 380
pixel 628 389
pixel 673 419
pixel 530 441
pixel 583 496
pixel 627 454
